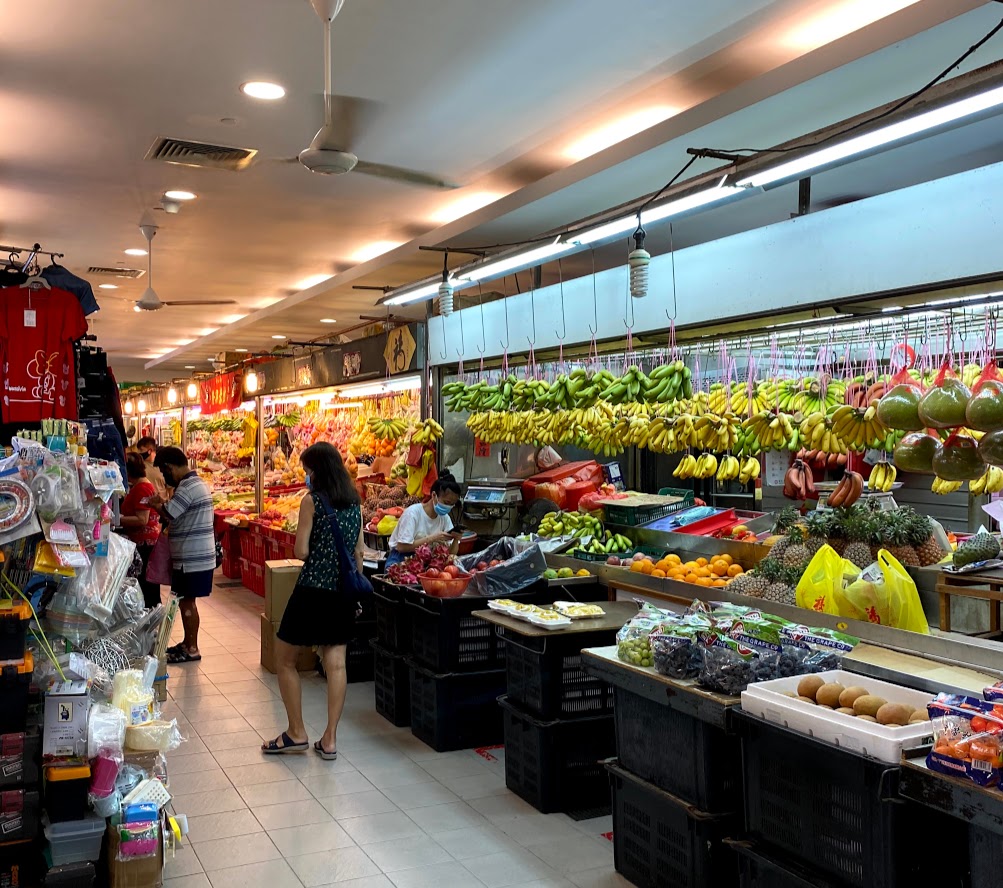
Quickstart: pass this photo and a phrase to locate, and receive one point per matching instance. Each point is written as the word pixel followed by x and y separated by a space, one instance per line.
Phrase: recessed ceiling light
pixel 180 195
pixel 242 350
pixel 136 308
pixel 371 251
pixel 311 281
pixel 135 251
pixel 328 321
pixel 278 336
pixel 262 89
pixel 619 130
pixel 189 366
pixel 107 286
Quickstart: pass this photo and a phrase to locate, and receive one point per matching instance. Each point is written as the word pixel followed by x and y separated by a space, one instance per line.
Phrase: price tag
pixel 29 317
pixel 481 448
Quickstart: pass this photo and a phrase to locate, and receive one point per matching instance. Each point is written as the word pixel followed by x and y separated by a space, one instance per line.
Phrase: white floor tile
pixel 575 855
pixel 443 875
pixel 269 874
pixel 358 804
pixel 331 867
pixel 448 818
pixel 605 877
pixel 222 853
pixel 401 854
pixel 268 771
pixel 379 827
pixel 182 863
pixel 297 840
pixel 199 781
pixel 208 802
pixel 200 880
pixel 258 795
pixel 204 827
pixel 324 786
pixel 509 868
pixel 464 844
pixel 292 814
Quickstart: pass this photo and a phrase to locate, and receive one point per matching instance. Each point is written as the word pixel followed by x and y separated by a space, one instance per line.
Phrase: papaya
pixel 991 448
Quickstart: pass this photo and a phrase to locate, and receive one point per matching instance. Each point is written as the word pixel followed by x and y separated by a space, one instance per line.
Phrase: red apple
pixel 494 562
pixel 482 565
pixel 453 571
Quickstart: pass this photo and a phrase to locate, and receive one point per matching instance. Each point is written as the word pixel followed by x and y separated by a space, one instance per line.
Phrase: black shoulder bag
pixel 354 585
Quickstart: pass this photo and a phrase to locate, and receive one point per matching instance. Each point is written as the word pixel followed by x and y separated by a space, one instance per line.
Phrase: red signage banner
pixel 220 393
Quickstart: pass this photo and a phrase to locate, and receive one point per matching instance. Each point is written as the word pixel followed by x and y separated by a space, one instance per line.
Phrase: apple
pixel 482 565
pixel 494 562
pixel 453 571
pixel 613 560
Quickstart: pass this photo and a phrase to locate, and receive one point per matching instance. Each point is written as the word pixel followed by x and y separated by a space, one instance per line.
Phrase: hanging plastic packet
pixel 104 478
pixel 898 407
pixel 98 587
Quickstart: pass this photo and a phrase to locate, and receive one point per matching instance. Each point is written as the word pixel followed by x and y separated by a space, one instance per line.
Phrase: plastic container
pixel 359 655
pixel 440 588
pixel 546 678
pixel 66 788
pixel 393 617
pixel 766 700
pixel 458 711
pixel 393 686
pixel 15 681
pixel 758 868
pixel 445 637
pixel 14 617
pixel 635 516
pixel 70 875
pixel 705 764
pixel 20 754
pixel 19 812
pixel 659 840
pixel 74 841
pixel 557 765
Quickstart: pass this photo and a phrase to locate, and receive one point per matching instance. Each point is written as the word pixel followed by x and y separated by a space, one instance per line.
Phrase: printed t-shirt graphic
pixel 37 331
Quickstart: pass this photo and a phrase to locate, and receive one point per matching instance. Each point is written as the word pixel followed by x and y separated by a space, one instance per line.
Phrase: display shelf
pixel 980 806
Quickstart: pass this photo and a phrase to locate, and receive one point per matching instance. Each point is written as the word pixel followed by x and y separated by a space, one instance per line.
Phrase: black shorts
pixel 191 585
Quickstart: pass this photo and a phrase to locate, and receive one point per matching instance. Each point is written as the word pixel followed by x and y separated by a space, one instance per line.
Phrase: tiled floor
pixel 390 812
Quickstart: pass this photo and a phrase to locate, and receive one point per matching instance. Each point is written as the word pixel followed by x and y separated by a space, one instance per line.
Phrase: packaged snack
pixel 676 646
pixel 994 693
pixel 968 739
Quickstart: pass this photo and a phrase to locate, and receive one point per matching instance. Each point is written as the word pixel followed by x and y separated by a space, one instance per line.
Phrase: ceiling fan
pixel 330 152
pixel 150 301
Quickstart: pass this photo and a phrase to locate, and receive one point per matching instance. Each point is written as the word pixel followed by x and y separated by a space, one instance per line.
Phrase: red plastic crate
pixel 253 577
pixel 231 566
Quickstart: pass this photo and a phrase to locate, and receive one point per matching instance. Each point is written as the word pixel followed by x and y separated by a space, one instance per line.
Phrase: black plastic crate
pixel 19 813
pixel 546 677
pixel 839 812
pixel 359 656
pixel 759 869
pixel 393 686
pixel 458 711
pixel 705 764
pixel 659 841
pixel 986 855
pixel 20 755
pixel 557 765
pixel 393 617
pixel 21 864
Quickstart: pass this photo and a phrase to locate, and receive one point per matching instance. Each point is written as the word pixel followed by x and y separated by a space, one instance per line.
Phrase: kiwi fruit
pixel 868 704
pixel 804 699
pixel 851 694
pixel 828 694
pixel 822 705
pixel 892 713
pixel 919 715
pixel 868 718
pixel 809 686
pixel 846 710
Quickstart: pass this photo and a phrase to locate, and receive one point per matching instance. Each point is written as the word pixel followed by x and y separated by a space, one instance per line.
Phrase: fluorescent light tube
pixel 425 292
pixel 886 135
pixel 380 387
pixel 516 262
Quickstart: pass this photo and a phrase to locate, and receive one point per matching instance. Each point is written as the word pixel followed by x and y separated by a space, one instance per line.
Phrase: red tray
pixel 706 526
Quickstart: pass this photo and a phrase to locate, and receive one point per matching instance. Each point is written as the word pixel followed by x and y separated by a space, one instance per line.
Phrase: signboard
pixel 220 393
pixel 351 364
pixel 399 350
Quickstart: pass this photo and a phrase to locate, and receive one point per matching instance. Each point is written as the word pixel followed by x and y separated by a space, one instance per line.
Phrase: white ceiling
pixel 490 95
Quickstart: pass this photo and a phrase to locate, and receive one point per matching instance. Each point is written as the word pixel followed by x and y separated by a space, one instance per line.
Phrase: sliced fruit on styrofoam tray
pixel 562 623
pixel 885 743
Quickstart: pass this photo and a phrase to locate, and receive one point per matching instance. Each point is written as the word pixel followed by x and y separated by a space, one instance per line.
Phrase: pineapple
pixel 858 532
pixel 924 542
pixel 748 584
pixel 786 519
pixel 818 524
pixel 778 549
pixel 836 529
pixel 896 533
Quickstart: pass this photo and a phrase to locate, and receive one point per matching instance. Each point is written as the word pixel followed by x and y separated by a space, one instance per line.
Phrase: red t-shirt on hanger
pixel 37 331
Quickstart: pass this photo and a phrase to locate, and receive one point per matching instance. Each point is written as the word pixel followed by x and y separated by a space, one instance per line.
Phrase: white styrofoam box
pixel 885 743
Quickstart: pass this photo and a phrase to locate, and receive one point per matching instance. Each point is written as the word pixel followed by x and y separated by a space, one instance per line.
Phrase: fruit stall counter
pixel 616 614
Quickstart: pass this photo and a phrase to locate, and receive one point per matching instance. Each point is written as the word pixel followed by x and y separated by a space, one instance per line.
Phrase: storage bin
pixel 705 764
pixel 21 864
pixel 661 841
pixel 393 617
pixel 458 711
pixel 19 812
pixel 985 851
pixel 66 789
pixel 839 812
pixel 759 869
pixel 14 617
pixel 547 680
pixel 20 754
pixel 393 686
pixel 70 875
pixel 359 656
pixel 15 681
pixel 557 765
pixel 73 841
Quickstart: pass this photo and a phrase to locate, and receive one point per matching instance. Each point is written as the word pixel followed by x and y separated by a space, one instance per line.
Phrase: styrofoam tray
pixel 563 623
pixel 884 743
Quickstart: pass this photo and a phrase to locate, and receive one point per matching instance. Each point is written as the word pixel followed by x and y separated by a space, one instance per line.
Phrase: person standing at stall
pixel 140 521
pixel 147 448
pixel 319 613
pixel 425 523
pixel 189 518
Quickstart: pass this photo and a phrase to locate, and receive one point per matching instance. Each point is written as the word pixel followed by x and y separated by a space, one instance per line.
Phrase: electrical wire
pixel 975 47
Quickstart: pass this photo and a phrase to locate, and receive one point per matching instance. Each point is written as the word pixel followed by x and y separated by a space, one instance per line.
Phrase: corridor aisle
pixel 389 812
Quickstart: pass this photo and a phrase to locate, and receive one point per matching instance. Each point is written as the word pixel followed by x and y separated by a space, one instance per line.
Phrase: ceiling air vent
pixel 117 271
pixel 200 154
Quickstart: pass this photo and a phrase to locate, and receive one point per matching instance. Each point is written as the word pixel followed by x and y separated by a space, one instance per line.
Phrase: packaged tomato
pixel 968 739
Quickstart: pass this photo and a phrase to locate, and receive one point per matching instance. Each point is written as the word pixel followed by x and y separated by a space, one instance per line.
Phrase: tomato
pixel 994 727
pixel 432 575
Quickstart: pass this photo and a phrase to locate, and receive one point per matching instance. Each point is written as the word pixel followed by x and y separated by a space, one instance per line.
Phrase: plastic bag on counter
pixel 99 586
pixel 517 571
pixel 132 697
pixel 130 606
pixel 57 486
pixel 644 622
pixel 65 617
pixel 675 645
pixel 968 738
pixel 729 667
pixel 885 594
pixel 154 736
pixel 816 590
pixel 106 732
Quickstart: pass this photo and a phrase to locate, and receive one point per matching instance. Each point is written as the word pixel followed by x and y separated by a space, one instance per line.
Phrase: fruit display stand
pixel 558 719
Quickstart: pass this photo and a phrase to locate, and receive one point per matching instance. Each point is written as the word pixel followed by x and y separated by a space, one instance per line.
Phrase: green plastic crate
pixel 635 516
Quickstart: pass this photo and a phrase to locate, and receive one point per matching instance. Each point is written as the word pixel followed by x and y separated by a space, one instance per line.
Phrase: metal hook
pixel 483 347
pixel 505 344
pixel 595 310
pixel 564 323
pixel 442 320
pixel 532 302
pixel 463 344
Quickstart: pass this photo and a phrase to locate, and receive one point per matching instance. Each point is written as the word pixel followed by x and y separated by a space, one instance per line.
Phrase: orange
pixel 704 581
pixel 719 582
pixel 719 568
pixel 647 567
pixel 658 573
pixel 703 571
pixel 690 578
pixel 702 562
pixel 735 570
pixel 675 559
pixel 692 565
pixel 726 558
pixel 635 566
pixel 662 565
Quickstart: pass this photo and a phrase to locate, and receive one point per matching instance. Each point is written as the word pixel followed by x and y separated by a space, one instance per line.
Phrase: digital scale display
pixel 484 495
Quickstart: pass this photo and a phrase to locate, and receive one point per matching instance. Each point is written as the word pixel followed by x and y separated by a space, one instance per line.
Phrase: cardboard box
pixel 140 872
pixel 64 730
pixel 280 580
pixel 306 661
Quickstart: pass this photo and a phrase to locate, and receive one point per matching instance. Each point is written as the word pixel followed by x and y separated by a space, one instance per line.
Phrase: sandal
pixel 174 648
pixel 324 754
pixel 182 656
pixel 288 746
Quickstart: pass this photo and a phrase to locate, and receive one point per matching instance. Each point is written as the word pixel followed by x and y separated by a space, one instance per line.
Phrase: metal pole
pixel 259 455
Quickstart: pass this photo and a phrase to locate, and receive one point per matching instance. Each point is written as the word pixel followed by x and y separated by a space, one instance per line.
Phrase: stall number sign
pixel 351 364
pixel 399 350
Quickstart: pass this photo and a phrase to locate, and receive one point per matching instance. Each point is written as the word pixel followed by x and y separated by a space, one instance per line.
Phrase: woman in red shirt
pixel 140 521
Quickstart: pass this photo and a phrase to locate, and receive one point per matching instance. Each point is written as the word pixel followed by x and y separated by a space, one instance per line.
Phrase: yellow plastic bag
pixel 386 525
pixel 885 594
pixel 817 586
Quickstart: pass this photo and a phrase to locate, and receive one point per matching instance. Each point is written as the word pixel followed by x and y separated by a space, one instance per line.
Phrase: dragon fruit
pixel 425 558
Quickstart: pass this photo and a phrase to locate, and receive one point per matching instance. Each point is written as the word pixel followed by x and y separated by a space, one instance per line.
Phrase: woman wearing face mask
pixel 318 614
pixel 425 523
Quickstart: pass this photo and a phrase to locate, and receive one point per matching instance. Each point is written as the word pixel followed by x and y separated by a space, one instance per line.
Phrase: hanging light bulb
pixel 193 390
pixel 251 382
pixel 445 299
pixel 639 259
pixel 172 395
pixel 141 405
pixel 128 407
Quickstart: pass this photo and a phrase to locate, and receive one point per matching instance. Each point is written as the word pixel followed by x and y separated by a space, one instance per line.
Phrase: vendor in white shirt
pixel 425 523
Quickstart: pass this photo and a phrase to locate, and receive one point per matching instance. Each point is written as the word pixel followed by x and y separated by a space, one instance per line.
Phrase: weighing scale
pixel 491 506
